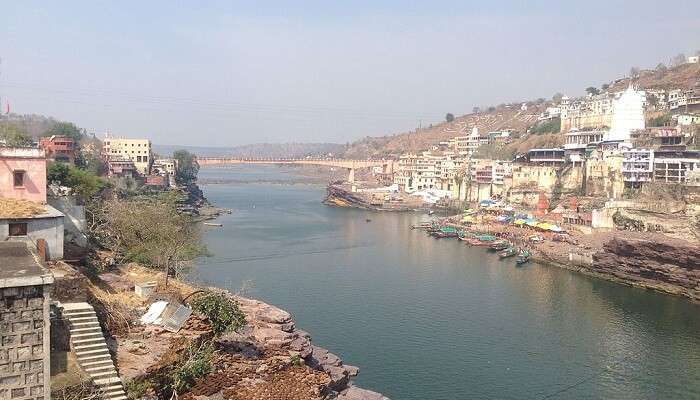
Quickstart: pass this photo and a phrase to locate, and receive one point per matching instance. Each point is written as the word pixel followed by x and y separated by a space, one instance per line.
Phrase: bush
pixel 196 365
pixel 551 126
pixel 83 183
pixel 222 311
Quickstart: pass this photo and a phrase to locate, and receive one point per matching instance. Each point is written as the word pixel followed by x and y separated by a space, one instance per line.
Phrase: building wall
pixel 74 222
pixel 585 121
pixel 137 150
pixel 604 177
pixel 33 163
pixel 49 229
pixel 24 343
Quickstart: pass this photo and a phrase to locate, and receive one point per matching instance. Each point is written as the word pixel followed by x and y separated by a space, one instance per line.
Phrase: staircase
pixel 90 348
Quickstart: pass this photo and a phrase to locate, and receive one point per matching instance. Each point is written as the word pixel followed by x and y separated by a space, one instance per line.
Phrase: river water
pixel 435 319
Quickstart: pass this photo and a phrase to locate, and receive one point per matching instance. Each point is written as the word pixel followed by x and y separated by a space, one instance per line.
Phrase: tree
pixel 65 129
pixel 151 231
pixel 15 136
pixel 605 86
pixel 187 168
pixel 491 109
pixel 557 97
pixel 83 183
pixel 449 117
pixel 634 72
pixel 679 59
pixel 551 126
pixel 476 110
pixel 592 90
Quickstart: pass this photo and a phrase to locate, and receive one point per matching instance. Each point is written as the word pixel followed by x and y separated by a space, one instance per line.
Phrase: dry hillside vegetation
pixel 505 117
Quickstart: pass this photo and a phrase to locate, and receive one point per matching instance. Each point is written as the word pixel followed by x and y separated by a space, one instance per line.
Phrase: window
pixel 18 178
pixel 18 229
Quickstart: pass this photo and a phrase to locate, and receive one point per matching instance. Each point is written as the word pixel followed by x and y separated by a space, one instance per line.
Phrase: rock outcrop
pixel 668 266
pixel 274 328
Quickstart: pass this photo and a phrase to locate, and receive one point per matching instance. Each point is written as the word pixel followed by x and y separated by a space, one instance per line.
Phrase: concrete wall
pixel 74 218
pixel 24 343
pixel 33 163
pixel 604 177
pixel 49 229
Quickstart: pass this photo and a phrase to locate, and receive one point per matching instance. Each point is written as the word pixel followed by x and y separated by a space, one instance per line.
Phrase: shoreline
pixel 274 327
pixel 615 256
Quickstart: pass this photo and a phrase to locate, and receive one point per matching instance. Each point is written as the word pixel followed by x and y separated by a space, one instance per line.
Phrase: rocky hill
pixel 511 116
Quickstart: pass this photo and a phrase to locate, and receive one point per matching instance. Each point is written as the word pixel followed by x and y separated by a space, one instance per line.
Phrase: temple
pixel 628 115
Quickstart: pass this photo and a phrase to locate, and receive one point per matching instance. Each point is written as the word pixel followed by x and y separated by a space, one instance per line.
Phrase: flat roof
pixel 20 267
pixel 25 209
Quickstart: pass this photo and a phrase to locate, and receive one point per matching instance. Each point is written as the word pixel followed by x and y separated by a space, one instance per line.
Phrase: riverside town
pixel 242 237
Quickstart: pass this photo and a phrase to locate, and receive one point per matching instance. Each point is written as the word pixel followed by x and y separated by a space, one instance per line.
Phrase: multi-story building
pixel 58 148
pixel 684 100
pixel 675 166
pixel 637 166
pixel 136 150
pixel 577 140
pixel 552 157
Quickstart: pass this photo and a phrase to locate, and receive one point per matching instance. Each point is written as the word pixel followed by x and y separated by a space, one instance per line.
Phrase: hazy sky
pixel 231 72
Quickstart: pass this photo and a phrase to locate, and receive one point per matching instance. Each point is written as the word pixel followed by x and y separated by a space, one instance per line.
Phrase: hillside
pixel 685 76
pixel 503 117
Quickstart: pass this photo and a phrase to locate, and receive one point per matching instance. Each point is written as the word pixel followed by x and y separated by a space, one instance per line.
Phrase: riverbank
pixel 270 330
pixel 269 358
pixel 646 260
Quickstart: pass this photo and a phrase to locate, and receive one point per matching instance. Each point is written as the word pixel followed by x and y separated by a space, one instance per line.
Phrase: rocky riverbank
pixel 646 260
pixel 269 358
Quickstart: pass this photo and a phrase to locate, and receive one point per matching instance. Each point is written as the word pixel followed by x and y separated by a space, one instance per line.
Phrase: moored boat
pixel 509 252
pixel 523 257
pixel 499 245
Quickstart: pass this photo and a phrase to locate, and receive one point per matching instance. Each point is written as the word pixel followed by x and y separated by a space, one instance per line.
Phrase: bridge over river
pixel 351 165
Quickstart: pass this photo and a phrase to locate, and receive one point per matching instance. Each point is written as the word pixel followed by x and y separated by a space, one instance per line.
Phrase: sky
pixel 228 73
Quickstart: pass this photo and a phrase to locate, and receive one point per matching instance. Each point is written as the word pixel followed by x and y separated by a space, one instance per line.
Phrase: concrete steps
pixel 90 348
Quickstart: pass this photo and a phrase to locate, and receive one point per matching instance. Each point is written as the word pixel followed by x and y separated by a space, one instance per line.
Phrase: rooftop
pixel 18 208
pixel 20 267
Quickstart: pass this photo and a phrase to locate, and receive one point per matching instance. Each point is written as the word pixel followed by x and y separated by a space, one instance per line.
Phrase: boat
pixel 499 245
pixel 509 252
pixel 368 220
pixel 213 224
pixel 445 232
pixel 523 257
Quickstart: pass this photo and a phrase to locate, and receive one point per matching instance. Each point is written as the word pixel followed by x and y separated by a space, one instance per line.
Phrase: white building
pixel 637 166
pixel 628 115
pixel 693 59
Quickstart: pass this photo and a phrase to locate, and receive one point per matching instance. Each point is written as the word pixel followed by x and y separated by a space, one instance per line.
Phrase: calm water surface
pixel 435 319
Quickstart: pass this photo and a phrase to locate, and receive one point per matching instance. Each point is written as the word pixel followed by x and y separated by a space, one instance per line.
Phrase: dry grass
pixel 117 310
pixel 17 208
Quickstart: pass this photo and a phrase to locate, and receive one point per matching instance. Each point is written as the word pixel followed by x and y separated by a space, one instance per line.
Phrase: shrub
pixel 196 365
pixel 222 311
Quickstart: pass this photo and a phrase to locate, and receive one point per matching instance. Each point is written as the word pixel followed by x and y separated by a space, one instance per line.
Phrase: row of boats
pixel 504 248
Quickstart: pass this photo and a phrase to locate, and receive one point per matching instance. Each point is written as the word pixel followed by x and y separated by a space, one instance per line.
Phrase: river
pixel 435 319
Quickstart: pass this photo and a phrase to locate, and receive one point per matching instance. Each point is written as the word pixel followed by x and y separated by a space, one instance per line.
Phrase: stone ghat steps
pixel 90 348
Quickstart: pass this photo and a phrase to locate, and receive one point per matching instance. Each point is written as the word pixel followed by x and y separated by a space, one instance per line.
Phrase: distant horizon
pixel 228 74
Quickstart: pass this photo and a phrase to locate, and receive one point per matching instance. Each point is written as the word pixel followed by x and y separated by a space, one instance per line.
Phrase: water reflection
pixel 435 319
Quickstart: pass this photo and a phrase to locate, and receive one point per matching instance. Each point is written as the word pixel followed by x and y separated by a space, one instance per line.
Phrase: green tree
pixel 592 90
pixel 65 129
pixel 557 97
pixel 150 230
pixel 83 183
pixel 551 126
pixel 187 167
pixel 15 136
pixel 449 117
pixel 605 86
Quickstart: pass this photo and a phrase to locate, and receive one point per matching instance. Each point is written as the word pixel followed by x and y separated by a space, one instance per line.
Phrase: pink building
pixel 23 174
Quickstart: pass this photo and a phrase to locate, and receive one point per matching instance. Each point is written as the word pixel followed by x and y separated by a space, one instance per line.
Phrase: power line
pixel 222 105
